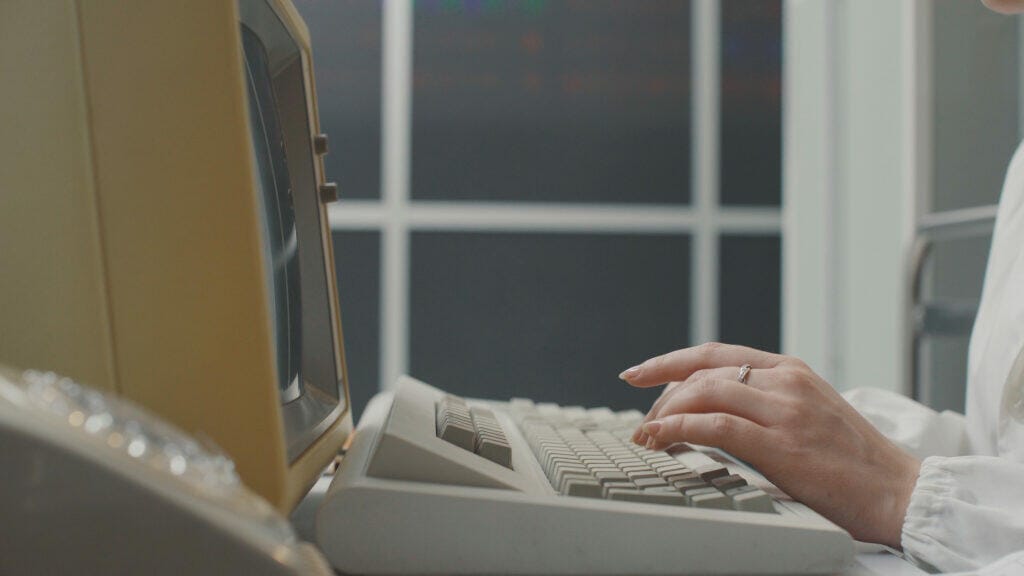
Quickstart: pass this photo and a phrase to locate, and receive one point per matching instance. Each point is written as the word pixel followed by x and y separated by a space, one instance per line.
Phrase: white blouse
pixel 967 508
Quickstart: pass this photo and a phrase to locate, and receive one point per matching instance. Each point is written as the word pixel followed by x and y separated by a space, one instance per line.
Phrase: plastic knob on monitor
pixel 320 144
pixel 328 192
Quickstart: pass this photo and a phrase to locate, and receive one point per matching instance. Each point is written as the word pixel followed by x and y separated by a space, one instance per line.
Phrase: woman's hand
pixel 789 424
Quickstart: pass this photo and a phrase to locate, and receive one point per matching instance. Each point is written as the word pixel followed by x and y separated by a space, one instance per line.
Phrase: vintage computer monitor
pixel 163 224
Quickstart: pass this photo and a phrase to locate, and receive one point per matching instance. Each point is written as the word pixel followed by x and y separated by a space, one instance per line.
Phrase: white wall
pixel 850 142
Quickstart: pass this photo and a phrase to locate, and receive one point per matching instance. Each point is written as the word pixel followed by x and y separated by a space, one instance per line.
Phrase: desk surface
pixel 872 561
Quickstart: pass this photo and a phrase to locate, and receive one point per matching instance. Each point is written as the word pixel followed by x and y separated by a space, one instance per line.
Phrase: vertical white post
pixel 705 154
pixel 396 119
pixel 811 133
pixel 1020 78
pixel 917 137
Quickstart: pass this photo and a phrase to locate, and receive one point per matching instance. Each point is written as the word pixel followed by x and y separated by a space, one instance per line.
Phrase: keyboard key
pixel 729 482
pixel 648 496
pixel 686 486
pixel 756 500
pixel 636 475
pixel 695 491
pixel 710 500
pixel 610 476
pixel 650 483
pixel 709 472
pixel 616 485
pixel 497 452
pixel 585 487
pixel 461 435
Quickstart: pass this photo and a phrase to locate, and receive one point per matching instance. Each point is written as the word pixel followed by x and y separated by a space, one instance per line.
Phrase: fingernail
pixel 630 373
pixel 652 427
pixel 649 443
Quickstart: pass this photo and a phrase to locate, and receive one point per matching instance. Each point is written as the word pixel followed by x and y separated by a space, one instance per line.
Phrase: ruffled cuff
pixel 965 512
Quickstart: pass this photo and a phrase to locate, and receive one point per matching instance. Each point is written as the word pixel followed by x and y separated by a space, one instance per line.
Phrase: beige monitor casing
pixel 130 247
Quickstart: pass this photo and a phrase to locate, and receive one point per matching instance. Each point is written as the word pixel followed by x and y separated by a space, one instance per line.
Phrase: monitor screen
pixel 295 243
pixel 278 217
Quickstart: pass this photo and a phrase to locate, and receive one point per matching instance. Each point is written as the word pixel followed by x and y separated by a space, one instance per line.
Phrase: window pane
pixel 751 139
pixel 750 291
pixel 952 288
pixel 553 317
pixel 347 63
pixel 552 100
pixel 975 80
pixel 357 262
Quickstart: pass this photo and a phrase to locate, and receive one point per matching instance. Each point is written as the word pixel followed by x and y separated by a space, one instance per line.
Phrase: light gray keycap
pixel 601 413
pixel 587 488
pixel 495 451
pixel 650 482
pixel 753 501
pixel 617 486
pixel 636 475
pixel 729 482
pixel 699 491
pixel 609 476
pixel 461 435
pixel 560 473
pixel 687 485
pixel 666 468
pixel 649 496
pixel 710 500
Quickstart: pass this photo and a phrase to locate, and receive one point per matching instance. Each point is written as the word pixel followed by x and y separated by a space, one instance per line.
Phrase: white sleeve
pixel 1009 565
pixel 965 512
pixel 912 426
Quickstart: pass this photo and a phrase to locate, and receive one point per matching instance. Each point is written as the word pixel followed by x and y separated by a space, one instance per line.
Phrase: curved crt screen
pixel 295 239
pixel 281 242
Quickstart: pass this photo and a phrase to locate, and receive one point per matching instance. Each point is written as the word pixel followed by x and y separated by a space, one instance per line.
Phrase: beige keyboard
pixel 437 484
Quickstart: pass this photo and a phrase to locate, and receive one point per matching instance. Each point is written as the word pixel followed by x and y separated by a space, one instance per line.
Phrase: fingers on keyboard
pixel 588 453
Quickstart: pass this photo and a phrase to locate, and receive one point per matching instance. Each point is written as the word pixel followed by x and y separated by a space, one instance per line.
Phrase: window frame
pixel 396 215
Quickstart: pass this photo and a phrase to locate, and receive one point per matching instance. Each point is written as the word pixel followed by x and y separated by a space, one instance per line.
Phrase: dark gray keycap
pixel 710 471
pixel 724 483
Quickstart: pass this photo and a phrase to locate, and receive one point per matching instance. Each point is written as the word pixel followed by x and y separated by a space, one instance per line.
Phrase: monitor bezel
pixel 306 416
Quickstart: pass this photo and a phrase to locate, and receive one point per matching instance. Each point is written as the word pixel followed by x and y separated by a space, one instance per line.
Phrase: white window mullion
pixel 470 216
pixel 705 152
pixel 396 119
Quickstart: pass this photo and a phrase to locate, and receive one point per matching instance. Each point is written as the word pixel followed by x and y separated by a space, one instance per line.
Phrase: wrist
pixel 903 488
